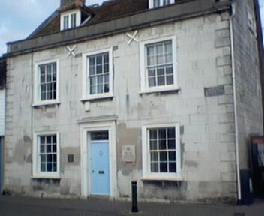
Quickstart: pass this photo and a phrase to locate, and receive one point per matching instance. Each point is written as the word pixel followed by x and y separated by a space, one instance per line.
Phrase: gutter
pixel 239 194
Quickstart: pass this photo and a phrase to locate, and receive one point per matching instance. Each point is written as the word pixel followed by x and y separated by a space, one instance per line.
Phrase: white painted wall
pixel 2 112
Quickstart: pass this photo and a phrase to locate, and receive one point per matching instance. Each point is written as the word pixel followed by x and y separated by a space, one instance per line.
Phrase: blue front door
pixel 100 177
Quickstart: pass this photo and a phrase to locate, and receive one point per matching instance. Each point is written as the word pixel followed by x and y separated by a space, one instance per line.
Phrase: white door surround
pixel 85 129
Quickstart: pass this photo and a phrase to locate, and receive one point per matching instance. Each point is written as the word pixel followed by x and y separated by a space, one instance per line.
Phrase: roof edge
pixel 138 21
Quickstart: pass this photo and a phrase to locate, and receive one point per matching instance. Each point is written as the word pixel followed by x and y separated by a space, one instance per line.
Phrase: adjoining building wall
pixel 207 133
pixel 248 82
pixel 2 112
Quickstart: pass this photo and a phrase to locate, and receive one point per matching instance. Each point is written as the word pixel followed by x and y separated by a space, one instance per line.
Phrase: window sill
pixel 46 177
pixel 161 91
pixel 153 178
pixel 51 103
pixel 99 98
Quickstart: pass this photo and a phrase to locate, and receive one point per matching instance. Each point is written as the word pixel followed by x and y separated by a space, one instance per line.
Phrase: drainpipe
pixel 235 110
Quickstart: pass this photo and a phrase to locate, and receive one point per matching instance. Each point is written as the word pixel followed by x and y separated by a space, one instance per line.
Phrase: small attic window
pixel 160 3
pixel 70 19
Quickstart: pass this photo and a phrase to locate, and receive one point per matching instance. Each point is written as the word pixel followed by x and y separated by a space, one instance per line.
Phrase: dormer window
pixel 70 19
pixel 160 3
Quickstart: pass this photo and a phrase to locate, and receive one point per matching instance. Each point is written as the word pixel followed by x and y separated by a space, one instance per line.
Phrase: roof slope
pixel 109 10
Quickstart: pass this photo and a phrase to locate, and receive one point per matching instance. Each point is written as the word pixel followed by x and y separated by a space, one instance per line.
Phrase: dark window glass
pixel 99 135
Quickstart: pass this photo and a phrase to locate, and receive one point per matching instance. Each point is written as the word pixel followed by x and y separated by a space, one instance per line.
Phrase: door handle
pixel 101 172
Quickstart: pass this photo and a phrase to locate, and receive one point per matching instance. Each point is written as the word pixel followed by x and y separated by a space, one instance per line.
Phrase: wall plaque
pixel 128 153
pixel 214 91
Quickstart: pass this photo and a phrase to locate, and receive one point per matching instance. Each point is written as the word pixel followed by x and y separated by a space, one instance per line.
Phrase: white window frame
pixel 86 84
pixel 37 90
pixel 35 157
pixel 69 13
pixel 143 62
pixel 151 3
pixel 147 174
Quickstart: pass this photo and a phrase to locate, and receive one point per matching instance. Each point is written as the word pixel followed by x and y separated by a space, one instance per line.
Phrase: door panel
pixel 100 177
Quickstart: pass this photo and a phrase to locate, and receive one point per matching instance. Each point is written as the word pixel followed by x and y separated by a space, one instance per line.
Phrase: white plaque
pixel 128 153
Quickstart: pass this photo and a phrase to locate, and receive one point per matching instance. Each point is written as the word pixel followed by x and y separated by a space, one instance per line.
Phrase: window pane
pixel 73 20
pixel 162 144
pixel 99 69
pixel 151 72
pixel 100 135
pixel 168 47
pixel 42 74
pixel 163 156
pixel 154 156
pixel 171 133
pixel 157 3
pixel 99 59
pixel 152 81
pixel 106 88
pixel 49 158
pixel 49 148
pixel 92 89
pixel 55 148
pixel 49 77
pixel 49 167
pixel 162 133
pixel 154 167
pixel 161 80
pixel 43 167
pixel 169 80
pixel 100 80
pixel 43 158
pixel 153 145
pixel 169 70
pixel 106 68
pixel 54 167
pixel 48 139
pixel 172 167
pixel 66 22
pixel 42 140
pixel 106 58
pixel 153 134
pixel 106 79
pixel 54 69
pixel 91 70
pixel 100 89
pixel 172 156
pixel 166 2
pixel 163 167
pixel 54 158
pixel 172 144
pixel 160 71
pixel 42 149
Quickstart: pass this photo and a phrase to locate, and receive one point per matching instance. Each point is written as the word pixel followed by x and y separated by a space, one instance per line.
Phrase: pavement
pixel 26 206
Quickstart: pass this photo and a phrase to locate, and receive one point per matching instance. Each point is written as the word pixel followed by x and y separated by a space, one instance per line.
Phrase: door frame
pixel 85 150
pixel 2 142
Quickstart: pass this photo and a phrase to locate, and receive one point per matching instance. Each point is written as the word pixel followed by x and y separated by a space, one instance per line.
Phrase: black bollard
pixel 134 208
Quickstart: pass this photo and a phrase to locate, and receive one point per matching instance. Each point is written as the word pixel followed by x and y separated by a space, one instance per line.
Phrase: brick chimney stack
pixel 67 3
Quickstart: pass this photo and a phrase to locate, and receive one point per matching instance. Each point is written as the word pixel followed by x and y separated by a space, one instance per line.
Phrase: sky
pixel 17 21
